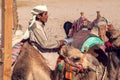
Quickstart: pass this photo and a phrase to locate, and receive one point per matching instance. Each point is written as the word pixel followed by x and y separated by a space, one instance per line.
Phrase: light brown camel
pixel 32 66
pixel 92 69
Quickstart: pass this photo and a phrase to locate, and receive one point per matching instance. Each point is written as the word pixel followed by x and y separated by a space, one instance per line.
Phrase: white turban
pixel 35 11
pixel 39 9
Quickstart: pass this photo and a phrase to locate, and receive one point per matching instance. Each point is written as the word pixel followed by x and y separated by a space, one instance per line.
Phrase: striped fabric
pixel 15 51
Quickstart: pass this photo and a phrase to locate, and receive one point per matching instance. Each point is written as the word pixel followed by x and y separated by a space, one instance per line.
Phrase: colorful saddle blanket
pixel 15 51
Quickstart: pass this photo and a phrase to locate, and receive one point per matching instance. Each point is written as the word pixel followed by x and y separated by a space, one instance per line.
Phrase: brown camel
pixel 31 65
pixel 92 68
pixel 113 50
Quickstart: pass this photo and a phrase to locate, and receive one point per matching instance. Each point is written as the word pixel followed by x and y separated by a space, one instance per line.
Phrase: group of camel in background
pixel 96 62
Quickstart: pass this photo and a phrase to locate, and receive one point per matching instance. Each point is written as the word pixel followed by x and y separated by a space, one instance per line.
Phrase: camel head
pixel 77 57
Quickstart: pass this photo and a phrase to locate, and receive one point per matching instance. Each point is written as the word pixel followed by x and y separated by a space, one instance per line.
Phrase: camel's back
pixel 30 65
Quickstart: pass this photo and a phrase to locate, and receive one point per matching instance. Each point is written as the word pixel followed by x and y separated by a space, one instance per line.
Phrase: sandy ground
pixel 68 10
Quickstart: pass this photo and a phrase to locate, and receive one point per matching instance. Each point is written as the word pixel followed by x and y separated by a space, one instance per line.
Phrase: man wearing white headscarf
pixel 36 28
pixel 37 35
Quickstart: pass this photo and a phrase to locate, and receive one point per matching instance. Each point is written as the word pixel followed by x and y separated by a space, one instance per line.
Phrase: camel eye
pixel 75 59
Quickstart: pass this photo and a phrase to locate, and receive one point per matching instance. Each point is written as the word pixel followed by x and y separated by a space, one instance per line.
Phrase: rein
pixel 71 63
pixel 69 66
pixel 78 66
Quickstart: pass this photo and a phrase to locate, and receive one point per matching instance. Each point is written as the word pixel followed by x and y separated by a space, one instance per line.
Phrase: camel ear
pixel 63 50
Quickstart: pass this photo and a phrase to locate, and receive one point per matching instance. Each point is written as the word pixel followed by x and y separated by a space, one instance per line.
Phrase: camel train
pixel 90 57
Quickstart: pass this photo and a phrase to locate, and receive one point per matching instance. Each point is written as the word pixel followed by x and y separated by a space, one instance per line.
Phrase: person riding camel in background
pixel 110 28
pixel 98 19
pixel 68 28
pixel 101 23
pixel 77 25
pixel 37 36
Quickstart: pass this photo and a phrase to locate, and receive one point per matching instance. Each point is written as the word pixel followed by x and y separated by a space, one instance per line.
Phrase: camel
pixel 91 70
pixel 31 64
pixel 113 50
pixel 101 23
pixel 90 42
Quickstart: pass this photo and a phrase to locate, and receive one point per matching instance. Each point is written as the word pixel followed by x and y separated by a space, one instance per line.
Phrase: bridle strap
pixel 78 66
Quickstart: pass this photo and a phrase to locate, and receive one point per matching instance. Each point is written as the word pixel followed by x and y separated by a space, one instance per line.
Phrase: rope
pixel 103 78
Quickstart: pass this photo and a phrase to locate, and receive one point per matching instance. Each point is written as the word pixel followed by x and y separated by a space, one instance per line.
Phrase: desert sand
pixel 68 10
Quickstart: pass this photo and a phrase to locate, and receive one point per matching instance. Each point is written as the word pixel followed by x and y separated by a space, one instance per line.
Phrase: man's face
pixel 44 17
